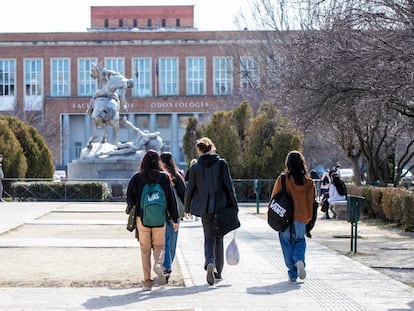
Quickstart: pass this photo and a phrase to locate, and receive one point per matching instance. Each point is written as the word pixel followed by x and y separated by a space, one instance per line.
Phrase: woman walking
pixel 151 238
pixel 210 187
pixel 171 235
pixel 302 190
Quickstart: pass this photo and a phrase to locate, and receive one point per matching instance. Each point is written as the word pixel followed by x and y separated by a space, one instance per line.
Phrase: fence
pixel 246 189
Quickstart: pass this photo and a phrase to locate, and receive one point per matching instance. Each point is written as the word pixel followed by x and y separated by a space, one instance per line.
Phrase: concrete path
pixel 258 282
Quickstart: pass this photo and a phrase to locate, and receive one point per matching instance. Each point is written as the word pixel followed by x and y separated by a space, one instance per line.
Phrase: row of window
pixel 163 70
pixel 122 22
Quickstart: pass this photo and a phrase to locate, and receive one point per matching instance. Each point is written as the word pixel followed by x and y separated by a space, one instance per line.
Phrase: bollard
pixel 257 190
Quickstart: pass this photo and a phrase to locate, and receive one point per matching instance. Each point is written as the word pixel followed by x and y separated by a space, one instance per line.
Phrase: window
pixel 149 22
pixel 249 73
pixel 106 23
pixel 33 76
pixel 142 121
pixel 115 64
pixel 87 84
pixel 196 72
pixel 142 77
pixel 77 149
pixel 168 76
pixel 33 83
pixel 177 22
pixel 164 127
pixel 223 69
pixel 7 77
pixel 163 22
pixel 120 22
pixel 60 77
pixel 135 23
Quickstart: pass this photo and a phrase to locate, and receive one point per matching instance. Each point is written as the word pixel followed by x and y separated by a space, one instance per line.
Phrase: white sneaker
pixel 301 269
pixel 146 289
pixel 160 273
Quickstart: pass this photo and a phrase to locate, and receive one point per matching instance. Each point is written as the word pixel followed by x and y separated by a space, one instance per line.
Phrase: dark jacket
pixel 207 188
pixel 134 191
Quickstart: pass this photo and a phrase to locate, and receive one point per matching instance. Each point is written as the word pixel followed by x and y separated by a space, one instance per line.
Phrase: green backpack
pixel 154 205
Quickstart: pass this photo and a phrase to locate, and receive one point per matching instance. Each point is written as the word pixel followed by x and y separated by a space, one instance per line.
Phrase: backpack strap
pixel 283 179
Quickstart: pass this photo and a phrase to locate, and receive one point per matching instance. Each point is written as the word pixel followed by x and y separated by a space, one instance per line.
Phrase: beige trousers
pixel 150 239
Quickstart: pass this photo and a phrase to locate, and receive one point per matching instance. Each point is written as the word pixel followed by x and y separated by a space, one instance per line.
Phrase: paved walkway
pixel 258 282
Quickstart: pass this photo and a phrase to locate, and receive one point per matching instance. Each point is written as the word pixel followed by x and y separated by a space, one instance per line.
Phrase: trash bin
pixel 353 211
pixel 353 208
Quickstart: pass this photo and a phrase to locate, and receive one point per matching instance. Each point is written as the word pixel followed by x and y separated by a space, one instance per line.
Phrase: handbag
pixel 227 220
pixel 232 252
pixel 180 205
pixel 132 224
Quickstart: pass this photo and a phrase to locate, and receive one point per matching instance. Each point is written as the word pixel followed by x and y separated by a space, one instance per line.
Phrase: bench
pixel 339 208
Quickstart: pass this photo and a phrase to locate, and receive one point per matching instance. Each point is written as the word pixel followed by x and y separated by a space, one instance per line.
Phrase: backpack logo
pixel 277 208
pixel 154 205
pixel 153 197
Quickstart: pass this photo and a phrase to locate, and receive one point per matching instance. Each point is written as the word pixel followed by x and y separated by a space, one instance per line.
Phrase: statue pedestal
pixel 103 170
pixel 104 163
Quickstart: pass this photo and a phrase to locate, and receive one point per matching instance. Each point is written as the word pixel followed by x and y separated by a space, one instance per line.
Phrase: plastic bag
pixel 232 252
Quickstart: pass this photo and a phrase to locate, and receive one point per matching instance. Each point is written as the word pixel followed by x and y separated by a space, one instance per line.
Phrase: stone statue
pixel 105 103
pixel 104 107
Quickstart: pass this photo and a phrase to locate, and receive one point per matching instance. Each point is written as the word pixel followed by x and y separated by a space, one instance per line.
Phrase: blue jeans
pixel 170 244
pixel 294 247
pixel 213 244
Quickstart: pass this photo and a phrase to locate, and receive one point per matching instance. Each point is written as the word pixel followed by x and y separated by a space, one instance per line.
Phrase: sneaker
pixel 146 289
pixel 217 277
pixel 301 269
pixel 167 274
pixel 160 273
pixel 210 274
pixel 292 280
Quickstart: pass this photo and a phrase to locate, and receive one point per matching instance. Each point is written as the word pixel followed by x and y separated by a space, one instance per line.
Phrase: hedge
pixel 60 191
pixel 395 205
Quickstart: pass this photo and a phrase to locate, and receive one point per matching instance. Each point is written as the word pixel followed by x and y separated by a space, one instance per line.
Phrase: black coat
pixel 134 191
pixel 210 186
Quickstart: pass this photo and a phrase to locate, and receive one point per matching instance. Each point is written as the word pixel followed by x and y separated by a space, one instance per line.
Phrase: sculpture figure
pixel 105 103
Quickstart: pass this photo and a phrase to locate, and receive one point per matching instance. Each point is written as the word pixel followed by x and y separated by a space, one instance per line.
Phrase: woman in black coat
pixel 210 187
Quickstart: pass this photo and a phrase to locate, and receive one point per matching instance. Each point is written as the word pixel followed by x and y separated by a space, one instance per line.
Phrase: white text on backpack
pixel 278 209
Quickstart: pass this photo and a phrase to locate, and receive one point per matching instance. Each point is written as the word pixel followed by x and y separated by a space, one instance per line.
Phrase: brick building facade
pixel 178 72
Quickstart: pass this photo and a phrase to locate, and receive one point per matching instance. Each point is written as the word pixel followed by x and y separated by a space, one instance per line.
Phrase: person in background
pixel 192 162
pixel 210 187
pixel 337 168
pixel 171 235
pixel 151 239
pixel 337 191
pixel 326 181
pixel 301 188
pixel 1 178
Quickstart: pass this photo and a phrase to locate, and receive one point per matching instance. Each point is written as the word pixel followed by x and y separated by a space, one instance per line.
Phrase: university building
pixel 178 72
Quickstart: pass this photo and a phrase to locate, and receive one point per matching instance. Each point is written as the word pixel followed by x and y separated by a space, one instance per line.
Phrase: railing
pixel 246 189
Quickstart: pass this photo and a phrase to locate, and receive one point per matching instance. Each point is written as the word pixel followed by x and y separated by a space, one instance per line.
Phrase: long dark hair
pixel 168 162
pixel 296 167
pixel 339 184
pixel 151 165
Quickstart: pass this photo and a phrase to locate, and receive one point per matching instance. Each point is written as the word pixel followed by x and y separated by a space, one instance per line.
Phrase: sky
pixel 74 15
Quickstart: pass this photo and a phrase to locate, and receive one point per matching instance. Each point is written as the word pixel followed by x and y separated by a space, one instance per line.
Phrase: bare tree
pixel 352 67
